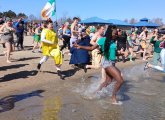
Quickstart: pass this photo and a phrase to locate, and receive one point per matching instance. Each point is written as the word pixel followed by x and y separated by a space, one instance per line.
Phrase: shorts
pixel 143 44
pixel 96 58
pixel 37 38
pixel 129 44
pixel 106 63
pixel 120 46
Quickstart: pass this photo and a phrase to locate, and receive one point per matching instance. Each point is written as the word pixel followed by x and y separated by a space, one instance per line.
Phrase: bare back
pixel 74 31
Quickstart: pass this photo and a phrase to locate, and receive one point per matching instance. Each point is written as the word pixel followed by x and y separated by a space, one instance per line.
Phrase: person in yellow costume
pixel 50 48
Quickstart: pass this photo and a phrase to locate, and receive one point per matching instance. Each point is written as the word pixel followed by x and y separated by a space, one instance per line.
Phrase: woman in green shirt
pixel 156 40
pixel 109 54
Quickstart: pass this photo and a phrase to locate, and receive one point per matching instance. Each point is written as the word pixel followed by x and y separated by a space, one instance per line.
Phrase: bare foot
pixel 115 102
pixel 87 66
pixel 5 53
pixel 8 61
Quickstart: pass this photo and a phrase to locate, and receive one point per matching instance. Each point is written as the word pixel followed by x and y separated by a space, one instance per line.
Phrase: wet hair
pixel 108 40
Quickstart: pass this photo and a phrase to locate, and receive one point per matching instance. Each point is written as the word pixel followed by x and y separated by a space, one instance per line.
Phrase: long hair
pixel 108 40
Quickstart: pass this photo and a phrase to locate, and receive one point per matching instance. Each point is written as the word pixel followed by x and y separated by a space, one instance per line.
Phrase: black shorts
pixel 66 38
pixel 121 46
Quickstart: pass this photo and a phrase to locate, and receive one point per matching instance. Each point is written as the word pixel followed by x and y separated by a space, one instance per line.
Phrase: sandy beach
pixel 27 94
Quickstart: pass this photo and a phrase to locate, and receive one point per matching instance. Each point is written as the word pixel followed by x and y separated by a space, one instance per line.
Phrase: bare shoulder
pixel 72 25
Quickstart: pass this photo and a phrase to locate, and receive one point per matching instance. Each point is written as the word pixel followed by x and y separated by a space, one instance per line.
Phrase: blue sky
pixel 107 9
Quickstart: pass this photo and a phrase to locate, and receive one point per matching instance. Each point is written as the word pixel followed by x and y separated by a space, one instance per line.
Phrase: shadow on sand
pixel 124 89
pixel 69 73
pixel 65 74
pixel 4 68
pixel 25 59
pixel 18 75
pixel 8 103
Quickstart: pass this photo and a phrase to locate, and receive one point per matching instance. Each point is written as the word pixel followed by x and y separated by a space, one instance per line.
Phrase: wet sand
pixel 30 95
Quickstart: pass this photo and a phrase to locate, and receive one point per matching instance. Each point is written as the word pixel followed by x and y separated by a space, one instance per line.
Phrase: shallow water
pixel 143 97
pixel 143 94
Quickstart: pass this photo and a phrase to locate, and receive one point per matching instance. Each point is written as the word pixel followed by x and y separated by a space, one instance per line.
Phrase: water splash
pixel 136 72
pixel 87 90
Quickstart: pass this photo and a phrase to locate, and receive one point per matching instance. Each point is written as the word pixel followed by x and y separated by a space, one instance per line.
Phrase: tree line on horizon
pixel 12 14
pixel 158 21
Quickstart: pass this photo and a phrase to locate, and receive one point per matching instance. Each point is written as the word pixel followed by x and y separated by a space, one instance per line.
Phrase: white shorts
pixel 106 63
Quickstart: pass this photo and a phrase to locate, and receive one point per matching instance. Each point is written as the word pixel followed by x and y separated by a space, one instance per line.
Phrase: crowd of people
pixel 89 47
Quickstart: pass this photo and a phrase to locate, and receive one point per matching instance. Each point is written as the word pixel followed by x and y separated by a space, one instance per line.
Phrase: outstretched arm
pixel 89 48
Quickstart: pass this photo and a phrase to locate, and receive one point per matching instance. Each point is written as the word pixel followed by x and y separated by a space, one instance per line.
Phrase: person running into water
pixel 106 80
pixel 6 32
pixel 37 39
pixel 81 57
pixel 121 45
pixel 66 36
pixel 50 48
pixel 156 40
pixel 96 56
pixel 74 31
pixel 162 58
pixel 130 45
pixel 110 70
pixel 143 42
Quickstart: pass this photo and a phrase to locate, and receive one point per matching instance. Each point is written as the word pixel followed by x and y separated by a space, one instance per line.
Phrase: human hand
pixel 76 45
pixel 12 29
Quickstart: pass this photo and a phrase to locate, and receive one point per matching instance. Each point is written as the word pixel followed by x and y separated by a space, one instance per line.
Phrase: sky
pixel 106 9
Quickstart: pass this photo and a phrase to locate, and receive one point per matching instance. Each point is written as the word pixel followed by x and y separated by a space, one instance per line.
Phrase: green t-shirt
pixel 156 43
pixel 112 50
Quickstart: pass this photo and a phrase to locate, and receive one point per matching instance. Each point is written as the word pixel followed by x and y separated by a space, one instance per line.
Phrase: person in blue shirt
pixel 19 32
pixel 108 53
pixel 80 57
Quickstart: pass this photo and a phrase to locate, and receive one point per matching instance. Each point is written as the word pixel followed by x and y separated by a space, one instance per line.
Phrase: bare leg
pixel 34 46
pixel 131 53
pixel 105 81
pixel 40 46
pixel 9 48
pixel 116 74
pixel 144 54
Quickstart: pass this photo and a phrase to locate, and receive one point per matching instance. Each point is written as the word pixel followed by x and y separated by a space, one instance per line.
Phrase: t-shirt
pixel 20 26
pixel 68 31
pixel 112 50
pixel 156 43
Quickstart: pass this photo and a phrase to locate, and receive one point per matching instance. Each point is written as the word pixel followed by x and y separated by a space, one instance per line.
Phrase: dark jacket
pixel 80 56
